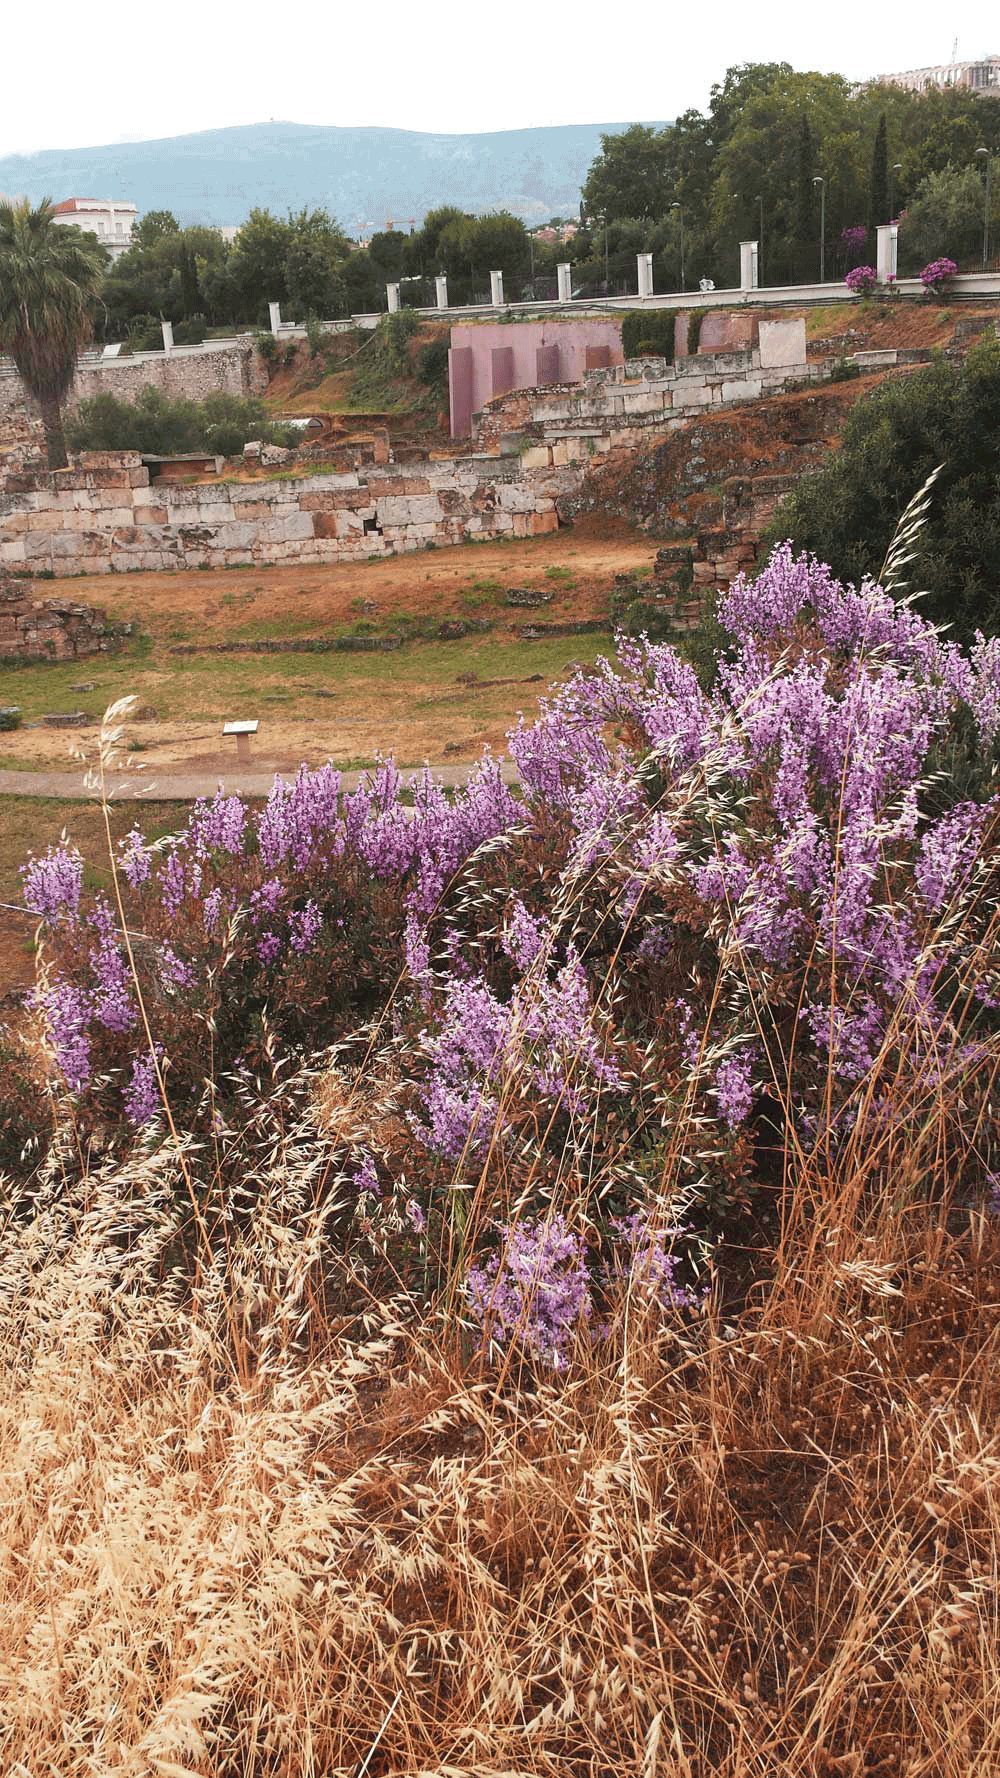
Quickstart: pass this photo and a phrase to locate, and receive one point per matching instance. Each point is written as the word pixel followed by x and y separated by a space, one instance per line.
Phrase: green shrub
pixel 161 427
pixel 269 349
pixel 649 333
pixel 191 332
pixel 145 334
pixel 695 319
pixel 432 365
pixel 893 438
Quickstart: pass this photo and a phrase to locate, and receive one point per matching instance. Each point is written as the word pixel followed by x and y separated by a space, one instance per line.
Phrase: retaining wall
pixel 611 406
pixel 231 368
pixel 104 517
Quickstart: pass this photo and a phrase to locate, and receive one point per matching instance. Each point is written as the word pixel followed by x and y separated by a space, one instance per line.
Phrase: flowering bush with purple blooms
pixel 861 280
pixel 696 904
pixel 936 276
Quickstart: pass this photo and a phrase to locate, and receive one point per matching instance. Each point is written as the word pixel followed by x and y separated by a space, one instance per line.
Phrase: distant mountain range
pixel 362 176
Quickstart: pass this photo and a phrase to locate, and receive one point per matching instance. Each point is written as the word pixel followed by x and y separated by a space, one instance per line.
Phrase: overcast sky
pixel 72 77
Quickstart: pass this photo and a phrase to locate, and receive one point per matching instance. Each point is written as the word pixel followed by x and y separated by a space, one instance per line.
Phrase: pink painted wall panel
pixel 460 387
pixel 523 339
pixel 502 370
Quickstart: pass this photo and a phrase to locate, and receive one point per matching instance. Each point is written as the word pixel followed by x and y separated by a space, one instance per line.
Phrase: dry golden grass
pixel 237 1537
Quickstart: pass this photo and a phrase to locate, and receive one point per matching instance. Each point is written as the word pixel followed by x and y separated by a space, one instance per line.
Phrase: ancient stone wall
pixel 51 629
pixel 229 369
pixel 625 404
pixel 104 516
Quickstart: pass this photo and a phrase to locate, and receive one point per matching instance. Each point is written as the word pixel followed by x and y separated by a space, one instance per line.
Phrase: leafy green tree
pixel 846 514
pixel 630 176
pixel 259 258
pixel 316 252
pixel 153 226
pixel 945 218
pixel 50 279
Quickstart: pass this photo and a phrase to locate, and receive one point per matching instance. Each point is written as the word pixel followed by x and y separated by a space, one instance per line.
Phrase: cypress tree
pixel 806 227
pixel 878 200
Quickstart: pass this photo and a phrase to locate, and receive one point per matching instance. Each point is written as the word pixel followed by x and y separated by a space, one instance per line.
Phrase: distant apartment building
pixel 980 76
pixel 109 220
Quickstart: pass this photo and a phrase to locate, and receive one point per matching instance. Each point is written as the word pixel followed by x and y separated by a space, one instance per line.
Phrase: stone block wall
pixel 614 407
pixel 51 629
pixel 104 517
pixel 229 369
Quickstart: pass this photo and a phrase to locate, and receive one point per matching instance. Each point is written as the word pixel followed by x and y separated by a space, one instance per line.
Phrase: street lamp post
pixel 897 167
pixel 821 182
pixel 986 207
pixel 760 240
pixel 680 218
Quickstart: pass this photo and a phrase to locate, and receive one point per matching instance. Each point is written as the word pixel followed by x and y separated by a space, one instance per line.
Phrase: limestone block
pixel 417 509
pixel 308 484
pixel 108 478
pixel 12 552
pixel 692 395
pixel 645 402
pixel 40 521
pixel 214 512
pixel 236 536
pixel 536 457
pixel 37 546
pixel 516 497
pixel 782 343
pixel 324 524
pixel 747 389
pixel 139 478
pixel 14 525
pixel 349 524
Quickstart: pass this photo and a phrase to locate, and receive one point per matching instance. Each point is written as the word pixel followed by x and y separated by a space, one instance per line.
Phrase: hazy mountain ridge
pixel 362 176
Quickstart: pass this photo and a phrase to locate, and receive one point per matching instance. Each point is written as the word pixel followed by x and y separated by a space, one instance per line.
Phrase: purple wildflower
pixel 535 1293
pixel 52 884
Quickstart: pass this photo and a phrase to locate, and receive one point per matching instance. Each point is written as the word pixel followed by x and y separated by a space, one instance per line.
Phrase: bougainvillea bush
pixel 590 1024
pixel 937 276
pixel 861 280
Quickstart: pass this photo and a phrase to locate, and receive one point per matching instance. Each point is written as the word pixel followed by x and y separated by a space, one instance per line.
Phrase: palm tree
pixel 50 275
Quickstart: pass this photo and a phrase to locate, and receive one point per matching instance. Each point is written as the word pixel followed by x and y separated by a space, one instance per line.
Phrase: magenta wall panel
pixel 461 373
pixel 522 340
pixel 502 373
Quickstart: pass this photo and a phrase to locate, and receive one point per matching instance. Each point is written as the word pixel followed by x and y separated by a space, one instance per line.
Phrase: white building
pixel 980 76
pixel 108 219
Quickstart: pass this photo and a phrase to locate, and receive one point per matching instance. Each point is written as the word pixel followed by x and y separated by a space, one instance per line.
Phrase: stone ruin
pixel 52 629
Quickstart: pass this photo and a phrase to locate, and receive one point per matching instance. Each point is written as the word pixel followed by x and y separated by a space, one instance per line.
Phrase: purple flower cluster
pixel 861 280
pixel 936 275
pixel 646 1262
pixel 535 1293
pixel 52 885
